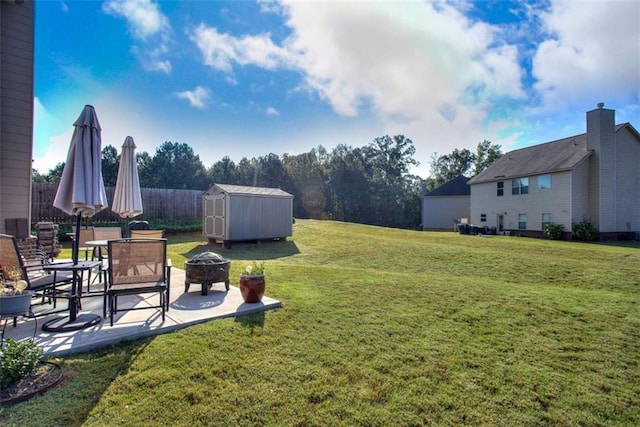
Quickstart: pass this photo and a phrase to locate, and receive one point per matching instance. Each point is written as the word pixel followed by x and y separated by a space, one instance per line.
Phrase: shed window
pixel 500 188
pixel 544 182
pixel 520 186
pixel 522 221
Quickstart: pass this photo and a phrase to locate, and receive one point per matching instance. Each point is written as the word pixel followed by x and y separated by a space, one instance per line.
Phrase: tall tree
pixel 110 161
pixel 307 182
pixel 271 172
pixel 462 162
pixel 449 166
pixel 145 169
pixel 486 153
pixel 349 189
pixel 53 177
pixel 247 172
pixel 223 171
pixel 388 160
pixel 176 166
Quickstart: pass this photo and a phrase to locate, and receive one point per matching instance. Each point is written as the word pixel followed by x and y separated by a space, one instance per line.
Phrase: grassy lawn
pixel 384 327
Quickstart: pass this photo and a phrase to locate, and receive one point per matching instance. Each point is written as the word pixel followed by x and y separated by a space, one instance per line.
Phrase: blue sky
pixel 245 78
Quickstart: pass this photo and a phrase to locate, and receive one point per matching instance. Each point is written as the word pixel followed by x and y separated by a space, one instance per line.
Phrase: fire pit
pixel 206 268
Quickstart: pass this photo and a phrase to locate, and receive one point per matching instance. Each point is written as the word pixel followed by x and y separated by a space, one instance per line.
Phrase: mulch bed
pixel 48 374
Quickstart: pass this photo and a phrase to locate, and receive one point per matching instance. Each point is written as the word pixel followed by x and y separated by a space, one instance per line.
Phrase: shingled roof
pixel 556 156
pixel 456 187
pixel 247 190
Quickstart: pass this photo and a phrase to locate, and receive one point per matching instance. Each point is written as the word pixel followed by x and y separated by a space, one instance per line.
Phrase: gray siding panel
pixel 254 217
pixel 16 108
pixel 628 182
pixel 440 213
pixel 580 205
pixel 250 213
pixel 555 200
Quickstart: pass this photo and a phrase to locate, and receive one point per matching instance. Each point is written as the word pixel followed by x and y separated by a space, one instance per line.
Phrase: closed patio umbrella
pixel 127 200
pixel 81 191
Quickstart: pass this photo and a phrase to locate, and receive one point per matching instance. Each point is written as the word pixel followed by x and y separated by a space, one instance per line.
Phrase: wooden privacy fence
pixel 157 203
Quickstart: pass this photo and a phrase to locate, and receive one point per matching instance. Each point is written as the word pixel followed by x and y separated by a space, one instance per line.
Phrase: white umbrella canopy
pixel 81 190
pixel 127 200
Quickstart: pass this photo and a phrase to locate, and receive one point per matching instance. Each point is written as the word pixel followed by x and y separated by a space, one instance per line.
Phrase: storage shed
pixel 233 213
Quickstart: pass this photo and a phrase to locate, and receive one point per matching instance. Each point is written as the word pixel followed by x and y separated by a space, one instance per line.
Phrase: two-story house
pixel 594 176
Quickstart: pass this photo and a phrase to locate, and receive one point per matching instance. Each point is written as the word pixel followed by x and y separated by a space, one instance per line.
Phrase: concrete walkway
pixel 185 309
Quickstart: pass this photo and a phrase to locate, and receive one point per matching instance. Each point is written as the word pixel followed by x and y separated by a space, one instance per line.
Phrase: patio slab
pixel 185 309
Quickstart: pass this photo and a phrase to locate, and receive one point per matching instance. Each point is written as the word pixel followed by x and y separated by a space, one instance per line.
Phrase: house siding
pixel 628 182
pixel 601 139
pixel 554 200
pixel 16 109
pixel 441 212
pixel 580 207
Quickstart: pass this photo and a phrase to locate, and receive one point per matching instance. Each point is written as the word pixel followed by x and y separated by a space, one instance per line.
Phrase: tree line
pixel 368 185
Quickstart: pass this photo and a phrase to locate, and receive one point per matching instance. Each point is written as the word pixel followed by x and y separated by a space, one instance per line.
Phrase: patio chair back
pixel 137 266
pixel 147 234
pixel 107 233
pixel 30 264
pixel 84 235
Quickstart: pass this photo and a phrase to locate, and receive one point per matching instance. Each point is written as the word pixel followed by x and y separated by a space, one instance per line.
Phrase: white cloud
pixel 149 26
pixel 143 16
pixel 425 71
pixel 592 54
pixel 402 61
pixel 272 111
pixel 221 51
pixel 197 97
pixel 272 6
pixel 54 149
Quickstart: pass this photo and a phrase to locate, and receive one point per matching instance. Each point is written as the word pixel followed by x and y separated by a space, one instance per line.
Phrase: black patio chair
pixel 32 264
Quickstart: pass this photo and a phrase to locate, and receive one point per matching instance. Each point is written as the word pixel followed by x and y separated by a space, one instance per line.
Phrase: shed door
pixel 208 217
pixel 214 222
pixel 218 216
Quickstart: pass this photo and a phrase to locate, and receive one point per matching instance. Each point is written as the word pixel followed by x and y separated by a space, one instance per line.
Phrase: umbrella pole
pixel 76 241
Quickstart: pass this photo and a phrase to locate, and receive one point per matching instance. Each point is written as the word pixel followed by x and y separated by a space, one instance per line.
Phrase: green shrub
pixel 169 226
pixel 553 231
pixel 18 359
pixel 584 231
pixel 176 225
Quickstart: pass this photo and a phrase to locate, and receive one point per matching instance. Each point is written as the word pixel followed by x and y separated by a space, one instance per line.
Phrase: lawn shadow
pixel 255 250
pixel 252 321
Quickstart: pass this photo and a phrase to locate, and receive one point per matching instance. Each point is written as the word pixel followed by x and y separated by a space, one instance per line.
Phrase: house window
pixel 500 188
pixel 483 217
pixel 546 219
pixel 520 186
pixel 522 221
pixel 544 182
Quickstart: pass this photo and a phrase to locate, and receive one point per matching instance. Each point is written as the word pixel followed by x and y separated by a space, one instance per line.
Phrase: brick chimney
pixel 602 185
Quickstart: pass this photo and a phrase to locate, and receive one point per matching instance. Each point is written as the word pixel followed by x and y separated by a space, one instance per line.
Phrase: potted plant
pixel 14 299
pixel 252 282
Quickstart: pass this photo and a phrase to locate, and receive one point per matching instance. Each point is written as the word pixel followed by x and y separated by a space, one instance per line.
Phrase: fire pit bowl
pixel 206 268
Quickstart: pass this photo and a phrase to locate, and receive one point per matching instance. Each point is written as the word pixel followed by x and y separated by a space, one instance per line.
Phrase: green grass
pixel 384 327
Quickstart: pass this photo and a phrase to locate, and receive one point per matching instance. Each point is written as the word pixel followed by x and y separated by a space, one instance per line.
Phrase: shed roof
pixel 456 187
pixel 248 190
pixel 555 156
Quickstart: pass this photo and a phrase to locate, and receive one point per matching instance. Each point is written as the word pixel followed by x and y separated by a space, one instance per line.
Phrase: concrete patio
pixel 185 309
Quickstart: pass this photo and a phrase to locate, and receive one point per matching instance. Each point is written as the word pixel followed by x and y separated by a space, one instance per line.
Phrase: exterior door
pixel 207 225
pixel 214 221
pixel 219 217
pixel 500 223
